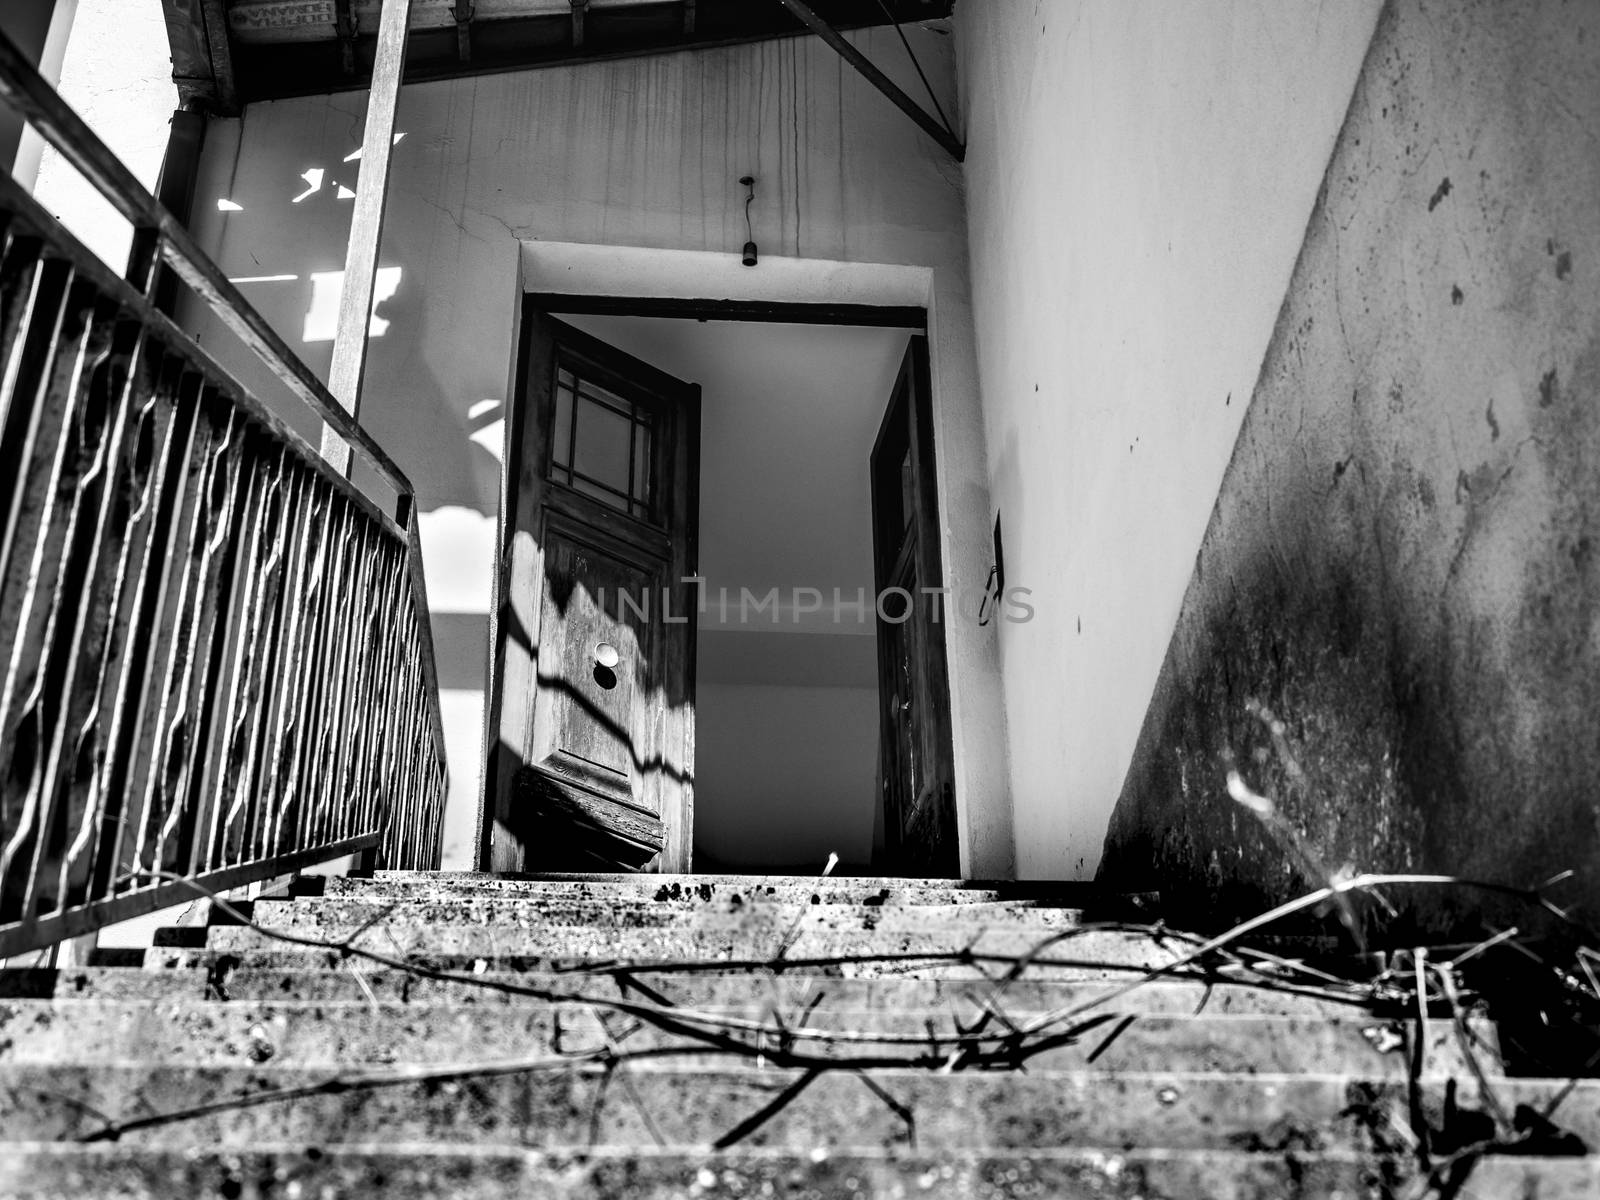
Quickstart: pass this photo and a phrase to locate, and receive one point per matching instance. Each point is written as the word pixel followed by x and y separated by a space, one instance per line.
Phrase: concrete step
pixel 497 1102
pixel 712 939
pixel 1035 887
pixel 243 980
pixel 54 1172
pixel 320 1033
pixel 692 889
pixel 348 913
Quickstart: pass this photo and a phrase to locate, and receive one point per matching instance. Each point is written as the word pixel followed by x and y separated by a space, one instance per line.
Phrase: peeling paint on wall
pixel 1400 563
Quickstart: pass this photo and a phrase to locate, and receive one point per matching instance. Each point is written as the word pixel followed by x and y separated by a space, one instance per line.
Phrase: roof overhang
pixel 229 53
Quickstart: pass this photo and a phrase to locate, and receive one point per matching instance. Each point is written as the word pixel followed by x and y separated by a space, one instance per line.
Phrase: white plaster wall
pixel 1140 174
pixel 640 153
pixel 117 74
pixel 788 808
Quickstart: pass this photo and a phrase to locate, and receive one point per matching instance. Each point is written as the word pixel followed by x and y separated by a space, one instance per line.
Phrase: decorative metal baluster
pixel 134 603
pixel 180 546
pixel 320 731
pixel 204 640
pixel 343 732
pixel 35 673
pixel 222 785
pixel 249 801
pixel 21 277
pixel 102 655
pixel 385 660
pixel 353 699
pixel 374 745
pixel 401 796
pixel 279 662
pixel 33 420
pixel 292 679
pixel 90 578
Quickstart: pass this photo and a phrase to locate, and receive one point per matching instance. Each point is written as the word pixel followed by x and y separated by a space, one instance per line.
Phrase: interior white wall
pixel 640 155
pixel 1139 178
pixel 808 793
pixel 116 73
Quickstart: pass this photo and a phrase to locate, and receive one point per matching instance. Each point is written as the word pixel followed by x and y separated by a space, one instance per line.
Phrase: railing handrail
pixel 32 96
pixel 172 335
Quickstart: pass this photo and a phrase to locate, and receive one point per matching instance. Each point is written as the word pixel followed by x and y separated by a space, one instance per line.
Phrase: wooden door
pixel 592 701
pixel 915 749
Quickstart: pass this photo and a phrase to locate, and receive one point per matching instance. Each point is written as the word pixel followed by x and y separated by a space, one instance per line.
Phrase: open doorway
pixel 788 717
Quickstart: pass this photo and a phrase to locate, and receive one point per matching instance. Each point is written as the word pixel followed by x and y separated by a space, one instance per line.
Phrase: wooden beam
pixel 877 78
pixel 578 9
pixel 221 52
pixel 180 169
pixel 366 226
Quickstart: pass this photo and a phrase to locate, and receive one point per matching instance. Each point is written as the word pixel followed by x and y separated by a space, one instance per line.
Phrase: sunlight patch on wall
pixel 355 154
pixel 489 429
pixel 313 178
pixel 226 205
pixel 322 318
pixel 457 558
pixel 461 712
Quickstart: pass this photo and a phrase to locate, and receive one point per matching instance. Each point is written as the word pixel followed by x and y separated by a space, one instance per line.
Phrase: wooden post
pixel 180 168
pixel 366 226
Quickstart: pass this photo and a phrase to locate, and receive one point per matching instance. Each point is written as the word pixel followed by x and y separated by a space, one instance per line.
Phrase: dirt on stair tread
pixel 52 1172
pixel 358 1033
pixel 206 977
pixel 562 1106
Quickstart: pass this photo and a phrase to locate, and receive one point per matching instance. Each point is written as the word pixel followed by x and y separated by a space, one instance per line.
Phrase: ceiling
pixel 228 53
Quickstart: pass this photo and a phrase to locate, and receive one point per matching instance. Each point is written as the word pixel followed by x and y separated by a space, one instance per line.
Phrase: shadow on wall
pixel 1401 565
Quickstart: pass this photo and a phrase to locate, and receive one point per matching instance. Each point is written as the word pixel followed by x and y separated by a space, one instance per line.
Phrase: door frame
pixel 577 278
pixel 561 304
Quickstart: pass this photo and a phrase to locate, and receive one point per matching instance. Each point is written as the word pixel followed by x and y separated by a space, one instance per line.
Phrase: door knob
pixel 605 655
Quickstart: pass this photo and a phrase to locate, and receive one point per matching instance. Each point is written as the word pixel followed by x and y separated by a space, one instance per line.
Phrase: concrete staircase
pixel 234 1064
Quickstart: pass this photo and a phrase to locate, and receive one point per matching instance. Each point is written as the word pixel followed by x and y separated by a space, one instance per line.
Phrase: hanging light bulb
pixel 749 181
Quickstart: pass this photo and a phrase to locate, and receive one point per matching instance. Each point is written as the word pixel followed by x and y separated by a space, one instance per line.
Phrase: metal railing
pixel 217 664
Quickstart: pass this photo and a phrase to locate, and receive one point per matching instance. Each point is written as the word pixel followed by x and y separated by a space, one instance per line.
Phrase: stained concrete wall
pixel 644 152
pixel 1139 175
pixel 1402 564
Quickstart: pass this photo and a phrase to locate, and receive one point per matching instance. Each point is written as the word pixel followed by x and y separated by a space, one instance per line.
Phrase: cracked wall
pixel 1401 563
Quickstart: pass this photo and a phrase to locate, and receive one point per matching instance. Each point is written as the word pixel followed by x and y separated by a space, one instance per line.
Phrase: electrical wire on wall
pixel 749 259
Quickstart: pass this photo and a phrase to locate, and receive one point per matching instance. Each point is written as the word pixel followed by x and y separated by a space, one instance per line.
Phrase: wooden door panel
pixel 916 755
pixel 587 709
pixel 592 700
